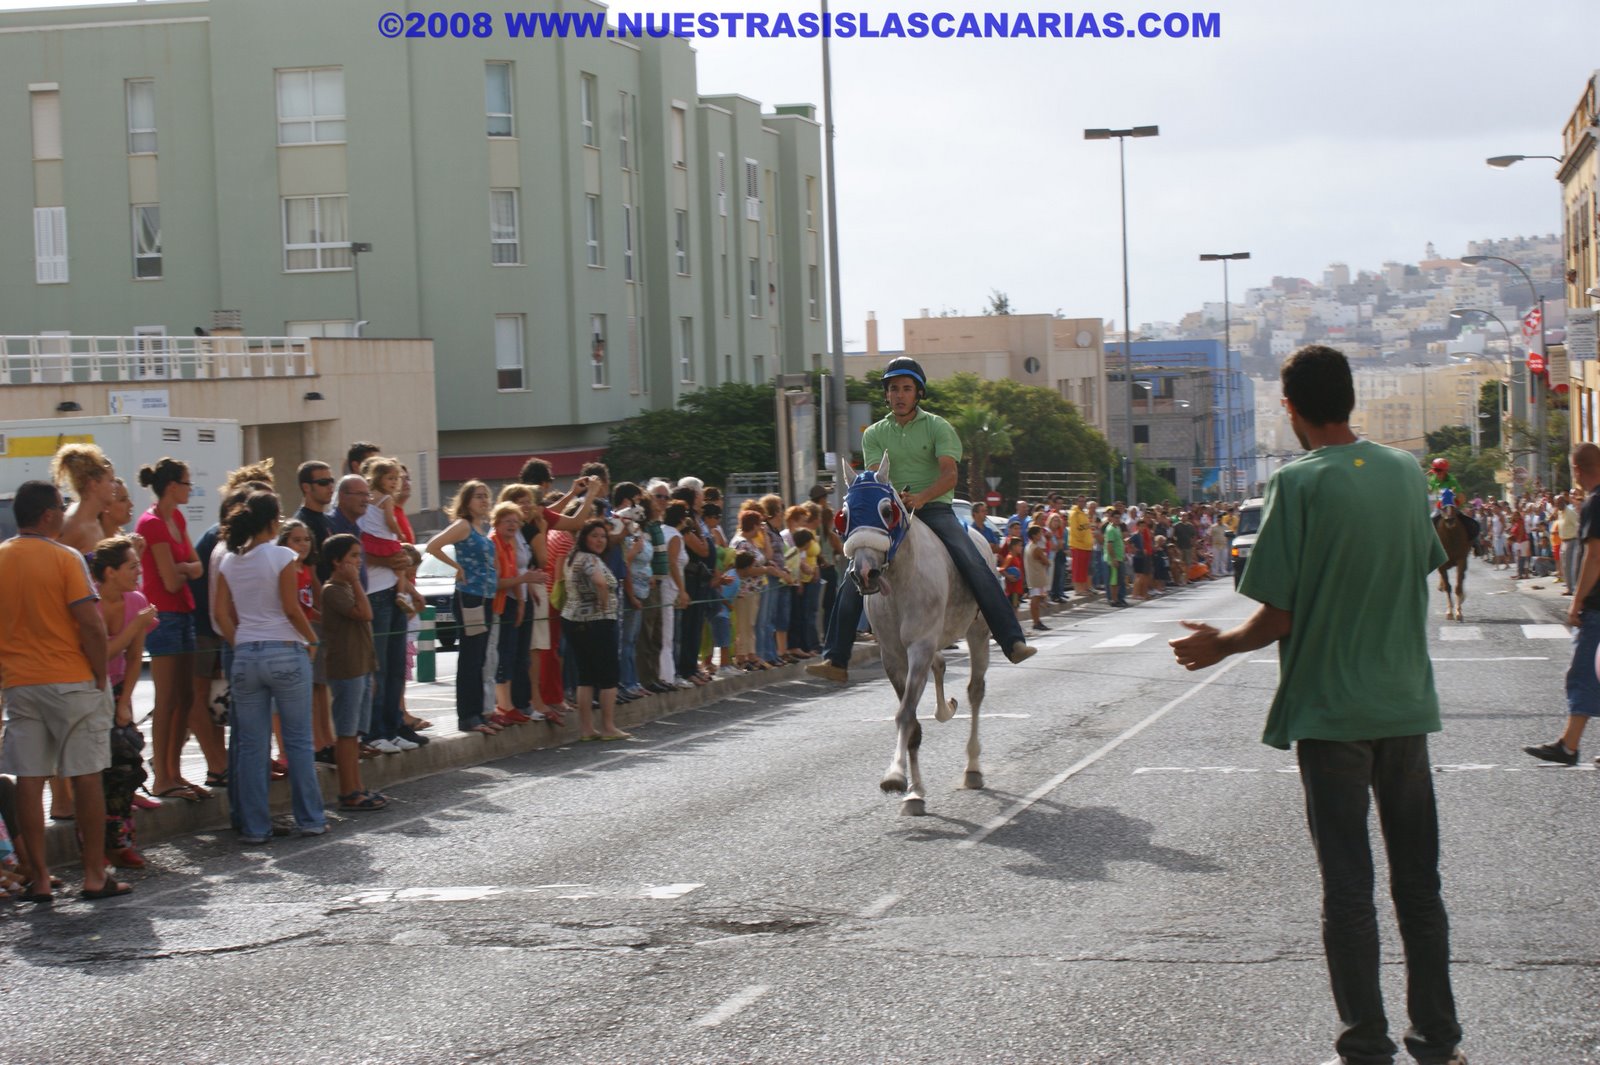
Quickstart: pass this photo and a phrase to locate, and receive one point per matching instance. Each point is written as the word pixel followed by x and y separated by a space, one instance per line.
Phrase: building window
pixel 627 242
pixel 147 241
pixel 316 233
pixel 504 246
pixel 497 99
pixel 597 348
pixel 727 293
pixel 311 106
pixel 625 138
pixel 811 203
pixel 681 242
pixel 680 138
pixel 141 117
pixel 755 287
pixel 686 350
pixel 508 359
pixel 155 355
pixel 815 303
pixel 722 184
pixel 46 108
pixel 592 230
pixel 50 245
pixel 1141 434
pixel 752 190
pixel 338 327
pixel 587 91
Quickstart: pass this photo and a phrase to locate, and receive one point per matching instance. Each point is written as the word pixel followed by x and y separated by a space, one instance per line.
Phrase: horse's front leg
pixel 978 660
pixel 904 773
pixel 1461 588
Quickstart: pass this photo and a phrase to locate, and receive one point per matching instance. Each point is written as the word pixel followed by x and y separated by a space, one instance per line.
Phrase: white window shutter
pixel 50 245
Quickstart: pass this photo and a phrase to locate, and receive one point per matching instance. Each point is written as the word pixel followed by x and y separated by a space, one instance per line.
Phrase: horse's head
pixel 872 524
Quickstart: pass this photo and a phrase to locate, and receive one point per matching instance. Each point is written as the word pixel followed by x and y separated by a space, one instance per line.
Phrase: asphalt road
pixel 1134 886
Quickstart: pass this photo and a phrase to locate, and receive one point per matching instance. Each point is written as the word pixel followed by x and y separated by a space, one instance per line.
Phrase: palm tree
pixel 984 434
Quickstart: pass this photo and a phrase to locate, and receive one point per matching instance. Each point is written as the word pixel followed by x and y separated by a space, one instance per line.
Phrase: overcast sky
pixel 1309 133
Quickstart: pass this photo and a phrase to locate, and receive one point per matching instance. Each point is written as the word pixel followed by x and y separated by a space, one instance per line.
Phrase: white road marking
pixel 879 907
pixel 1503 658
pixel 982 714
pixel 667 891
pixel 732 1006
pixel 1443 767
pixel 1546 632
pixel 1462 632
pixel 1084 763
pixel 1126 639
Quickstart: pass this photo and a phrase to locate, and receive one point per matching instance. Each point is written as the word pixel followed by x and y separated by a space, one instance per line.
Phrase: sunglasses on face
pixel 321 482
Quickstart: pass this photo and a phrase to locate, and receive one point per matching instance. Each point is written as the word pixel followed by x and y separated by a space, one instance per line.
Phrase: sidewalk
pixel 1549 593
pixel 449 748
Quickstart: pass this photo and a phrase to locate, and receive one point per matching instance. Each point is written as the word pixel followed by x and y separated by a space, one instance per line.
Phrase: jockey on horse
pixel 1445 491
pixel 922 450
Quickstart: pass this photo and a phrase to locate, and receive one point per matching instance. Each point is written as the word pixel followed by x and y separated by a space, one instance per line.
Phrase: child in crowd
pixel 128 616
pixel 1036 567
pixel 351 661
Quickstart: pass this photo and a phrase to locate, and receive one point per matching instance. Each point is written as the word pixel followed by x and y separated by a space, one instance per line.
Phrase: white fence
pixel 42 360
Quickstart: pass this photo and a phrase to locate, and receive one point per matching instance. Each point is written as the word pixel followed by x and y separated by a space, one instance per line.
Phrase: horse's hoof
pixel 973 780
pixel 945 712
pixel 913 808
pixel 894 784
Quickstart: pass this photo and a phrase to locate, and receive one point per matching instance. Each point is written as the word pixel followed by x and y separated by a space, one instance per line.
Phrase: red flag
pixel 1530 323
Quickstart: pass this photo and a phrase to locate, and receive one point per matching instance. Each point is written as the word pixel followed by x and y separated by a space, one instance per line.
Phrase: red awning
pixel 458 468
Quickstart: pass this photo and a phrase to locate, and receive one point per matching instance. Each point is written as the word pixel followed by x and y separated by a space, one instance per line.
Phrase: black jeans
pixel 974 569
pixel 1337 778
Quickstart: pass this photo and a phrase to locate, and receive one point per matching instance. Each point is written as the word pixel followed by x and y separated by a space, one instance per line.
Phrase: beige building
pixel 295 398
pixel 1580 198
pixel 1395 407
pixel 1063 354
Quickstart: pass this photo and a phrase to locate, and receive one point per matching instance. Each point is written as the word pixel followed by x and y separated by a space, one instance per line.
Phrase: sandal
pixel 362 800
pixel 186 792
pixel 554 716
pixel 109 890
pixel 417 724
pixel 485 728
pixel 217 780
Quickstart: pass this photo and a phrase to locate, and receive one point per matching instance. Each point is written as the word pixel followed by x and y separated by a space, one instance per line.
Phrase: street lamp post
pixel 358 249
pixel 1227 349
pixel 1121 135
pixel 1462 312
pixel 1423 366
pixel 1540 399
pixel 839 432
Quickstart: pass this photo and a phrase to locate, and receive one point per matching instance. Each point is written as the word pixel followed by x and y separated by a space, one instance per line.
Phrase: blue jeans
pixel 1097 569
pixel 1583 688
pixel 978 573
pixel 627 667
pixel 1338 779
pixel 389 682
pixel 1058 576
pixel 803 622
pixel 352 705
pixel 267 676
pixel 766 630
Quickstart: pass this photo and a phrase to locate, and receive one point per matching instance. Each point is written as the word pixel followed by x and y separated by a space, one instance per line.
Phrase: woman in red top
pixel 169 564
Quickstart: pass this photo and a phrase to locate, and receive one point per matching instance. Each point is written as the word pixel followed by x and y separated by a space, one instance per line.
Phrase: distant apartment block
pixel 581 234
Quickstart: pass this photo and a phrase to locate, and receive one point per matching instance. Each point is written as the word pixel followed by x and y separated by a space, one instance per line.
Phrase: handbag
pixel 558 591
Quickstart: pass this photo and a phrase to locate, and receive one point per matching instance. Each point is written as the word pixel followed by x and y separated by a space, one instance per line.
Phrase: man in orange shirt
pixel 58 712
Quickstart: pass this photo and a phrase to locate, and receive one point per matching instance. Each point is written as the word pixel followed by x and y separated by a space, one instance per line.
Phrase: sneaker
pixel 684 683
pixel 827 671
pixel 1020 651
pixel 403 744
pixel 534 715
pixel 384 746
pixel 320 830
pixel 1553 751
pixel 325 756
pixel 730 671
pixel 1041 627
pixel 413 736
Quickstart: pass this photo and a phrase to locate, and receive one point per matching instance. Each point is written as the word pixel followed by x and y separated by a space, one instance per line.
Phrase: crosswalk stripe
pixel 1546 632
pixel 1126 639
pixel 1462 632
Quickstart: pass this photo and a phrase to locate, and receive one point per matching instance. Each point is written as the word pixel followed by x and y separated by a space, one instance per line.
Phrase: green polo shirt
pixel 1355 664
pixel 914 449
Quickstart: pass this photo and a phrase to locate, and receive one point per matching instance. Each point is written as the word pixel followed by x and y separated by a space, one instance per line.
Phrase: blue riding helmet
pixel 904 366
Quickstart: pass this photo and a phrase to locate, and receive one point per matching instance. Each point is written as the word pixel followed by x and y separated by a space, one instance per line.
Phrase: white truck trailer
pixel 211 447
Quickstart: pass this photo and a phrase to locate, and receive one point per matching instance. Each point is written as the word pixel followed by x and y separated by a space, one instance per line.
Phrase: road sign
pixel 1519 474
pixel 1535 362
pixel 993 499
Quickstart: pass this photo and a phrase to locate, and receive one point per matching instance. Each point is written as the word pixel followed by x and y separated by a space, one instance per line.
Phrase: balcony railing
pixel 46 360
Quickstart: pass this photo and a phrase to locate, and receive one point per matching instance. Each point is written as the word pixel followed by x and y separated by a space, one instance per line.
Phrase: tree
pixel 1448 436
pixel 984 434
pixel 999 303
pixel 714 432
pixel 1489 414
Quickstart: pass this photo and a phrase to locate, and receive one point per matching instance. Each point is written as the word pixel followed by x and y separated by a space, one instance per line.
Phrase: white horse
pixel 929 608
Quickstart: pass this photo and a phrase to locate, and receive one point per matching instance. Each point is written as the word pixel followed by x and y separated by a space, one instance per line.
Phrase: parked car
pixel 436 583
pixel 1244 538
pixel 963 509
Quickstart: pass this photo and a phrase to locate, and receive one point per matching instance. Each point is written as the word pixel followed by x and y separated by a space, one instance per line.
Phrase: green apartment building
pixel 579 232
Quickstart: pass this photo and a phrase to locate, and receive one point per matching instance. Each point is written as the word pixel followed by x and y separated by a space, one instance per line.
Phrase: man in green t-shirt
pixel 923 450
pixel 1355 696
